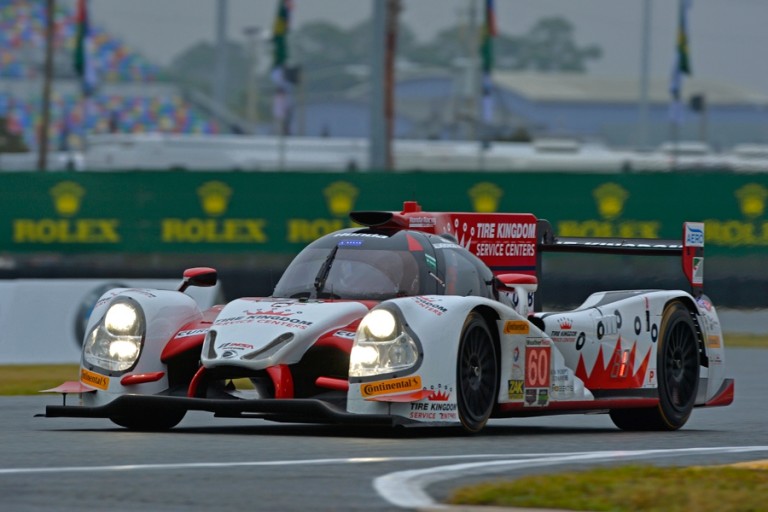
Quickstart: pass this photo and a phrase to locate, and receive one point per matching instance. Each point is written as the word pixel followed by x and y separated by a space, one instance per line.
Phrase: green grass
pixel 28 379
pixel 629 489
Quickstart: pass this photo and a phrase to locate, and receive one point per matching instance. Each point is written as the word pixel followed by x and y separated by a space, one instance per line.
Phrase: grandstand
pixel 133 95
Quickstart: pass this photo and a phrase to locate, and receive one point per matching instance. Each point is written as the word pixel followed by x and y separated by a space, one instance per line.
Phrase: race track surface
pixel 208 463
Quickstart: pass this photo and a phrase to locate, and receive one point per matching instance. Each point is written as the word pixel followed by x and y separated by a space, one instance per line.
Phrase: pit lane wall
pixel 171 212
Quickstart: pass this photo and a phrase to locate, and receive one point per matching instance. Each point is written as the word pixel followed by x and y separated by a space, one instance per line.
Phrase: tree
pixel 547 46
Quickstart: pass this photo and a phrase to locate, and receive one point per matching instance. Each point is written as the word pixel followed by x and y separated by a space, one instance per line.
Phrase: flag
pixel 281 101
pixel 486 55
pixel 83 59
pixel 682 62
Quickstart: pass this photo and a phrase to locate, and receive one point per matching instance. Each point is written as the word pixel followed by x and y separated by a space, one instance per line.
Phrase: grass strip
pixel 629 489
pixel 28 379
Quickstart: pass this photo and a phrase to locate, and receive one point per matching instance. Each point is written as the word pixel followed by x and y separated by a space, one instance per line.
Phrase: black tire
pixel 150 420
pixel 477 374
pixel 677 360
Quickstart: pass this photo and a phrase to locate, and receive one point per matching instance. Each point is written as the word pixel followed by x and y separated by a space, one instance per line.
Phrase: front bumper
pixel 284 410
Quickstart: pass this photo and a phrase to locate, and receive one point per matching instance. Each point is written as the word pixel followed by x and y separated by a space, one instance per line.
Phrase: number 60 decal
pixel 537 367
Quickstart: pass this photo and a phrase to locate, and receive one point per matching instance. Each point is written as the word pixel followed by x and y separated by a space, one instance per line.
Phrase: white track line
pixel 406 489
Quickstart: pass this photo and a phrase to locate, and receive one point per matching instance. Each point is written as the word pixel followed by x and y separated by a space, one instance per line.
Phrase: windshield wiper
pixel 325 269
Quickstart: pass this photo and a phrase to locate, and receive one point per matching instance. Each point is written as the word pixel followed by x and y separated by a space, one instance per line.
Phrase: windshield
pixel 357 268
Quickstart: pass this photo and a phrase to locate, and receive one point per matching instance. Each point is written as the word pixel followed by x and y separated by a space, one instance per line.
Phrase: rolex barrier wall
pixel 152 224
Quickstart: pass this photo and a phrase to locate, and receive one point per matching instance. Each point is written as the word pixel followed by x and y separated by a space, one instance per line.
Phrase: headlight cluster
pixel 382 345
pixel 115 343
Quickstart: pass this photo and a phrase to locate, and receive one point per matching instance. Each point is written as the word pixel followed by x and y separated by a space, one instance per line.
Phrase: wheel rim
pixel 477 374
pixel 681 361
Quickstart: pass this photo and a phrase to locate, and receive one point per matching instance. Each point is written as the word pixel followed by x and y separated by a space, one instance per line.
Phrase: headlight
pixel 382 345
pixel 115 343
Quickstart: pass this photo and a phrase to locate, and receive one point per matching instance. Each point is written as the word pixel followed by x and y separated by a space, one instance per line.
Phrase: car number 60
pixel 537 367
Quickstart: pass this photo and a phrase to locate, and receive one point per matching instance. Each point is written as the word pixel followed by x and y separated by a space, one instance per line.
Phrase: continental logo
pixel 340 197
pixel 485 197
pixel 67 198
pixel 94 379
pixel 517 327
pixel 386 387
pixel 214 197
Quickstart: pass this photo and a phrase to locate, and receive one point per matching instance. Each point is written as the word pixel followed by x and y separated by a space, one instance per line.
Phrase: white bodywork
pixel 165 311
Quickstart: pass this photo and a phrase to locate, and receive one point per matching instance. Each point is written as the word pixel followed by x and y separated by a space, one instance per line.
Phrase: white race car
pixel 417 318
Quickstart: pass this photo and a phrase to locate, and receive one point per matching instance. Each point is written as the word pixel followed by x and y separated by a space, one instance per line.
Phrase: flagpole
pixel 42 157
pixel 645 60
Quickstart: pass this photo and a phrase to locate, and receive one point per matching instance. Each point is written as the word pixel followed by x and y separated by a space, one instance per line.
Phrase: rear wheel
pixel 476 374
pixel 678 376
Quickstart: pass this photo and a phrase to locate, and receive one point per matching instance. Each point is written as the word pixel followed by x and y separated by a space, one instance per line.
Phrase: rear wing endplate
pixel 690 248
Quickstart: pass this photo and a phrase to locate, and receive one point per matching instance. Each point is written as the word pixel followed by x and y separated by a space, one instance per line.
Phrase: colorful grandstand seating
pixel 22 25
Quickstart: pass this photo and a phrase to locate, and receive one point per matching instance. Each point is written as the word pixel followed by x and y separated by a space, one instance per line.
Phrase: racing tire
pixel 150 420
pixel 677 364
pixel 477 374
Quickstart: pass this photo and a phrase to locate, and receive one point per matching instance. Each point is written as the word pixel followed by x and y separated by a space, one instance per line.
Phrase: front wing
pixel 284 410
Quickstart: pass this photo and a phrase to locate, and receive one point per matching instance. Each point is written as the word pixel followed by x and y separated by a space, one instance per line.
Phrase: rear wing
pixel 690 248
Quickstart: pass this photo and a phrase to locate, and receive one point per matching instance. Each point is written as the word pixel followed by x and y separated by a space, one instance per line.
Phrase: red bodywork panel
pixel 191 335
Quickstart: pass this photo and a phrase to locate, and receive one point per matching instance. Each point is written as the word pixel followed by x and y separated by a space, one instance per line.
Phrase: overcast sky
pixel 728 38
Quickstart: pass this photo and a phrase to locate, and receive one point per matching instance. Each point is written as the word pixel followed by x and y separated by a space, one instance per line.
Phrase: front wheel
pixel 149 420
pixel 677 362
pixel 476 374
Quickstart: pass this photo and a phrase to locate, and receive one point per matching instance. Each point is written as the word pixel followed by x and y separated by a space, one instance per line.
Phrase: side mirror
pixel 508 282
pixel 198 276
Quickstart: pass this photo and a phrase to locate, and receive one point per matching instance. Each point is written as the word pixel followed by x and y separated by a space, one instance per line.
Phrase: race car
pixel 412 318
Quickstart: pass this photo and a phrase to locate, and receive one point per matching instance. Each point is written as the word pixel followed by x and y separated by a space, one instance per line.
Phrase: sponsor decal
pixel 191 332
pixel 694 234
pixel 517 327
pixel 235 346
pixel 565 334
pixel 270 317
pixel 430 305
pixel 350 243
pixel 516 354
pixel 516 389
pixel 214 197
pixel 485 197
pixel 350 335
pixel 530 397
pixel 714 341
pixel 704 303
pixel 67 197
pixel 543 397
pixel 422 222
pixel 392 386
pixel 510 230
pixel 94 379
pixel 698 271
pixel 610 199
pixel 505 249
pixel 438 406
pixel 359 235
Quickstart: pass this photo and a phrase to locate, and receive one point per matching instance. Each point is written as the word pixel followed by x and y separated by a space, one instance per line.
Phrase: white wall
pixel 40 318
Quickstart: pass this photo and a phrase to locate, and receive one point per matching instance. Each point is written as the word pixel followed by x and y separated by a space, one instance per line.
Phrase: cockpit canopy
pixel 371 264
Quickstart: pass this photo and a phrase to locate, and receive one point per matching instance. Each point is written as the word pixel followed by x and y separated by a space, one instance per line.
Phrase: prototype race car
pixel 415 318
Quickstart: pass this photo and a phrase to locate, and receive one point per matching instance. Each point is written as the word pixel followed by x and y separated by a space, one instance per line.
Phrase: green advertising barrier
pixel 281 212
